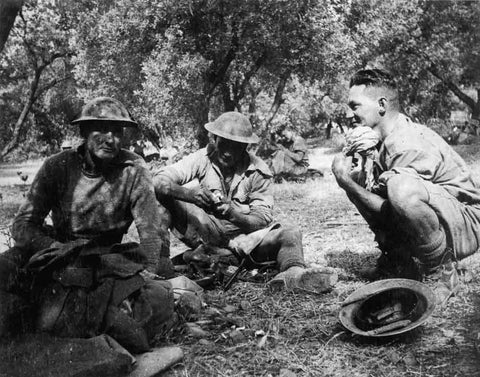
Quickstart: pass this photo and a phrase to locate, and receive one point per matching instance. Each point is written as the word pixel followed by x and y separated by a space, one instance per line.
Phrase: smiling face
pixel 103 139
pixel 365 106
pixel 229 153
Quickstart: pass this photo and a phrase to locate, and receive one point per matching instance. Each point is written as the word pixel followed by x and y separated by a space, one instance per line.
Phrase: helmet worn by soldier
pixel 105 109
pixel 233 126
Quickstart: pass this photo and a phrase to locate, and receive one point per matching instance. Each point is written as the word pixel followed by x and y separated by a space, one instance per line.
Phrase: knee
pixel 405 193
pixel 289 234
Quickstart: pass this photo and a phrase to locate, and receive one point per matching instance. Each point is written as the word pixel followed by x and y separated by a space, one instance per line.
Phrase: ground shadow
pixel 350 262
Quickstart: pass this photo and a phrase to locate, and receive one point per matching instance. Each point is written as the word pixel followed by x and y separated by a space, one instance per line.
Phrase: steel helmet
pixel 387 307
pixel 233 126
pixel 105 109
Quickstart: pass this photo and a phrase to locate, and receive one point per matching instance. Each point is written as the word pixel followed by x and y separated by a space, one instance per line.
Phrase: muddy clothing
pixel 92 206
pixel 249 191
pixel 79 278
pixel 415 150
pixel 294 163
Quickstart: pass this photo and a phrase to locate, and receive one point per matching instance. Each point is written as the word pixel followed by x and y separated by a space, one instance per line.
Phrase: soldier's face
pixel 104 140
pixel 229 153
pixel 364 107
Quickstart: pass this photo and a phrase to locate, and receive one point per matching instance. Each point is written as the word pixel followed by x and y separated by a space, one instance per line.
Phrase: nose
pixel 349 113
pixel 109 137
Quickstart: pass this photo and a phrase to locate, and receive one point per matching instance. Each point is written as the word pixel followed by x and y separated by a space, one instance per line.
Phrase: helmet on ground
pixel 387 307
pixel 233 126
pixel 105 109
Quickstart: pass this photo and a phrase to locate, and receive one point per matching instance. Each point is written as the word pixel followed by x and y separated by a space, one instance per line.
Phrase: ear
pixel 382 104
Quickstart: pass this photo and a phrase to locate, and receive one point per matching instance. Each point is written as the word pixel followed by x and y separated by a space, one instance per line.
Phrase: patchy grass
pixel 253 332
pixel 303 334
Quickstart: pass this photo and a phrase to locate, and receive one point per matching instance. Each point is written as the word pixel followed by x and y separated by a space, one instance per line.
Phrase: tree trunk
pixel 202 118
pixel 23 115
pixel 278 100
pixel 8 11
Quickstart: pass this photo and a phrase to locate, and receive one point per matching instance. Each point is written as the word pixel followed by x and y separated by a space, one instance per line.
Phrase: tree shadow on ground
pixel 351 262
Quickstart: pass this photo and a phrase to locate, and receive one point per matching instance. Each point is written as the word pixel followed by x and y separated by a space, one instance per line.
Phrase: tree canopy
pixel 176 64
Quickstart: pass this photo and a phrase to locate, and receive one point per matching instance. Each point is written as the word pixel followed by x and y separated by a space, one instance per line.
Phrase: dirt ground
pixel 249 331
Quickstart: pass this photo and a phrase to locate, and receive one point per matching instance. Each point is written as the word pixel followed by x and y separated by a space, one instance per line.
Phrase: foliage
pixel 431 46
pixel 177 64
pixel 34 61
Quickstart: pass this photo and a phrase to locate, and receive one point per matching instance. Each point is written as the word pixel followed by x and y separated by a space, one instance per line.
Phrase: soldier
pixel 231 207
pixel 77 274
pixel 290 160
pixel 422 205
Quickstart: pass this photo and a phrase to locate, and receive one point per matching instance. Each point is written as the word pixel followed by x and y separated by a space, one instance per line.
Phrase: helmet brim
pixel 348 313
pixel 253 139
pixel 121 123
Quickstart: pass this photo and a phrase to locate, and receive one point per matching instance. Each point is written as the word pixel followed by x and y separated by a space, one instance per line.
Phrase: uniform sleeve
pixel 412 162
pixel 261 198
pixel 150 219
pixel 27 230
pixel 185 170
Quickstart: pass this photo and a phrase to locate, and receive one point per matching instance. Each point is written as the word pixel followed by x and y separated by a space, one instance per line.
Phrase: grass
pixel 253 332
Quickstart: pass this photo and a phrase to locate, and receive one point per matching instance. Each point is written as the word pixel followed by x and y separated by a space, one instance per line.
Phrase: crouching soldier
pixel 419 197
pixel 78 276
pixel 231 205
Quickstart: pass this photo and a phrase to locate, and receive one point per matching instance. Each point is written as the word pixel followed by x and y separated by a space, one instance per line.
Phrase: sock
pixel 431 255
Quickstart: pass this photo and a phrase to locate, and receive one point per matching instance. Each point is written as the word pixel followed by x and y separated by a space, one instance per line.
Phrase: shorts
pixel 460 221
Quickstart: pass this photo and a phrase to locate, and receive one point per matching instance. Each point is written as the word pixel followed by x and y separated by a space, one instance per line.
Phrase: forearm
pixel 369 201
pixel 295 156
pixel 30 236
pixel 247 222
pixel 165 187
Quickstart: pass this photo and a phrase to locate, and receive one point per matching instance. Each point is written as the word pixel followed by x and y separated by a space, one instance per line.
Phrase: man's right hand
pixel 202 197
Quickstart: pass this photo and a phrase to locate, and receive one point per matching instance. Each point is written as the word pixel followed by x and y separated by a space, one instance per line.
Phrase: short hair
pixel 373 77
pixel 377 78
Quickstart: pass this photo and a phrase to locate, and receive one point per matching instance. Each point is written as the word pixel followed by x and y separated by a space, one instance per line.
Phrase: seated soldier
pixel 290 159
pixel 78 276
pixel 419 198
pixel 231 207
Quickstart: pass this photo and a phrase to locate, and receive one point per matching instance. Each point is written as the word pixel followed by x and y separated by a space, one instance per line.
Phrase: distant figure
pixel 290 159
pixel 138 148
pixel 150 152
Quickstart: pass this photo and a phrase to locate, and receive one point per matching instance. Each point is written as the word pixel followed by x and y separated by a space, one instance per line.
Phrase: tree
pixel 185 61
pixel 34 61
pixel 8 11
pixel 432 47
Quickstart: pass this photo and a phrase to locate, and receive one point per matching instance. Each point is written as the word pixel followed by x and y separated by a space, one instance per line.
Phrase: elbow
pixel 162 186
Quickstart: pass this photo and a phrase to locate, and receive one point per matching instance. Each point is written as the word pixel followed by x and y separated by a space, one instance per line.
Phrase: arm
pixel 169 181
pixel 296 156
pixel 260 202
pixel 151 224
pixel 27 229
pixel 341 168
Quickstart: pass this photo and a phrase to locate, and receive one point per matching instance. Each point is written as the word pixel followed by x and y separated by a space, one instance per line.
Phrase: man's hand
pixel 202 197
pixel 341 169
pixel 222 210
